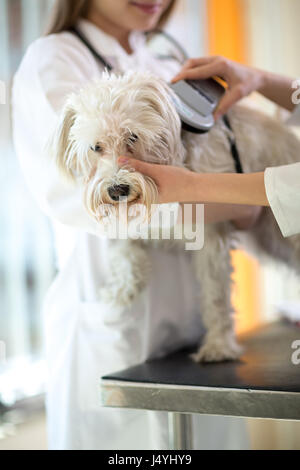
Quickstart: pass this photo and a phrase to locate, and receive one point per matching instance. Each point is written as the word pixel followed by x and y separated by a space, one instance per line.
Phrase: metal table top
pixel 264 383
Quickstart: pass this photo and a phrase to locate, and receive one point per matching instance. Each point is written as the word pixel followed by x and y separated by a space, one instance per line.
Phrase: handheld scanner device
pixel 195 102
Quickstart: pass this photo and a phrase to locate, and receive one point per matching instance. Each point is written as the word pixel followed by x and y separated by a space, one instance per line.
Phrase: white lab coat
pixel 85 338
pixel 283 190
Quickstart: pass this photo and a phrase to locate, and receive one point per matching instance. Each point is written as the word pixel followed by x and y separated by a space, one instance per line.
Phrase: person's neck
pixel 121 35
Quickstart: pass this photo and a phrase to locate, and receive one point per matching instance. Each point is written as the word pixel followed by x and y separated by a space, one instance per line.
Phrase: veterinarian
pixel 277 187
pixel 86 338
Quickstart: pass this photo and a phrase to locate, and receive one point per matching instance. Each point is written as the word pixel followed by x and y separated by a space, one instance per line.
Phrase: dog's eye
pixel 132 139
pixel 96 148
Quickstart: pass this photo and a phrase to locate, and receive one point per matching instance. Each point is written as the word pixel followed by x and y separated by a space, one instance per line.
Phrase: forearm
pixel 277 89
pixel 245 189
pixel 181 185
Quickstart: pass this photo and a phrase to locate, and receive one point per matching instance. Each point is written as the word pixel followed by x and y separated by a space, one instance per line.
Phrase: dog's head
pixel 130 115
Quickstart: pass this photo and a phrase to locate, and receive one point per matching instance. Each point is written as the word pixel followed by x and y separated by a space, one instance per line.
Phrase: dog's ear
pixel 158 94
pixel 59 143
pixel 159 97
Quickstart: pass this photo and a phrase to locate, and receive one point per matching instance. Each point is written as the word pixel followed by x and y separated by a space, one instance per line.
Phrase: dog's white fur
pixel 134 115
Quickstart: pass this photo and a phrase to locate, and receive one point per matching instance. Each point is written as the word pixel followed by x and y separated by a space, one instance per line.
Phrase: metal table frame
pixel 181 401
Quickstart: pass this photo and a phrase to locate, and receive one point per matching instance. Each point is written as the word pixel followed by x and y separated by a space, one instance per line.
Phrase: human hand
pixel 173 183
pixel 241 79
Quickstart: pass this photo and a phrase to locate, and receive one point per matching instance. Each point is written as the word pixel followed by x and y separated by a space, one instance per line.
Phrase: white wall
pixel 188 26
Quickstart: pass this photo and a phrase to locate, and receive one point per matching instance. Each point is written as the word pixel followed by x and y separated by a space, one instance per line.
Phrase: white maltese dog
pixel 134 115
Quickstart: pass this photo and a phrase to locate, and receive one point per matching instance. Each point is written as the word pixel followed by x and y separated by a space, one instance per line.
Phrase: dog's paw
pixel 118 297
pixel 218 352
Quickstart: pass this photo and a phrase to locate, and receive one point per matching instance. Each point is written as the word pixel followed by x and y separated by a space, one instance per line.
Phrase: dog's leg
pixel 213 269
pixel 128 272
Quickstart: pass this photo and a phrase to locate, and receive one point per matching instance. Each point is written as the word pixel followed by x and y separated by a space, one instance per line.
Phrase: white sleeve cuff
pixel 282 186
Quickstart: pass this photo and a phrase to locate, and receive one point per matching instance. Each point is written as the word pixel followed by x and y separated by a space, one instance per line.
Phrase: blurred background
pixel 262 33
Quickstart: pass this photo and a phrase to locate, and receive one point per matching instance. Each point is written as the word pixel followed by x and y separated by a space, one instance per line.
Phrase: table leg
pixel 180 431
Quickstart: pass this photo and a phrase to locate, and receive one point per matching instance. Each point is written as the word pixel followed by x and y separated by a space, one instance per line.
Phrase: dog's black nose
pixel 120 190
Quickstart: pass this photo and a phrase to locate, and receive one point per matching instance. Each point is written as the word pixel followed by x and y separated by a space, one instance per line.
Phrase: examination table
pixel 264 383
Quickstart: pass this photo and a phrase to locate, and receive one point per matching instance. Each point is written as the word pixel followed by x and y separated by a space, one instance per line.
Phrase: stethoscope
pixel 181 57
pixel 190 96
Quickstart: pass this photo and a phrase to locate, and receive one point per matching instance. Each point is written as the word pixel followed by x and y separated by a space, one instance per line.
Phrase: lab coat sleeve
pixel 283 192
pixel 282 186
pixel 51 69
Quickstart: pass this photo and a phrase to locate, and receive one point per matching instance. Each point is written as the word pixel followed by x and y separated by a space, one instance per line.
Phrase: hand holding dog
pixel 172 182
pixel 177 184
